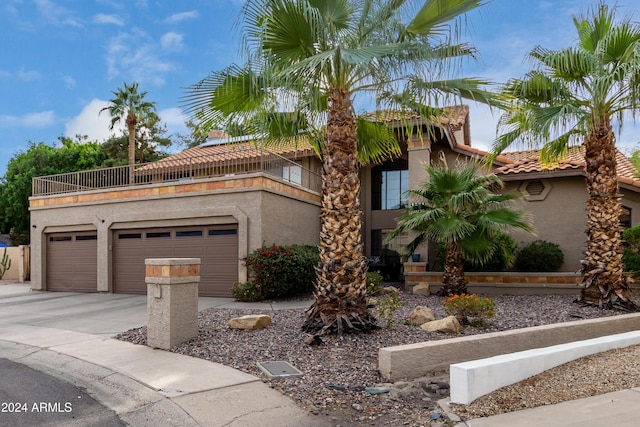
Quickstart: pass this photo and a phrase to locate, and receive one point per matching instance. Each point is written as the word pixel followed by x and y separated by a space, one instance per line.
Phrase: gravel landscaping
pixel 341 380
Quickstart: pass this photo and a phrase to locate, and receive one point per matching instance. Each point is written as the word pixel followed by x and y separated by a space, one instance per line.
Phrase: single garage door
pixel 72 262
pixel 216 246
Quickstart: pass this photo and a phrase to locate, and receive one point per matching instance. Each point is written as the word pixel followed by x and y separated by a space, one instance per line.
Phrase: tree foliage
pixel 459 208
pixel 573 96
pixel 37 160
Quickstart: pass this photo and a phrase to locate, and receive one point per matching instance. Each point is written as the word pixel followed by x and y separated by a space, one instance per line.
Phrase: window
pixel 625 217
pixel 130 236
pixel 390 183
pixel 292 174
pixel 223 232
pixel 159 234
pixel 193 233
pixel 87 237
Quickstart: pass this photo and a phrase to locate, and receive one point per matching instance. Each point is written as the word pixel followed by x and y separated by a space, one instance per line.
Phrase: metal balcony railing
pixel 177 170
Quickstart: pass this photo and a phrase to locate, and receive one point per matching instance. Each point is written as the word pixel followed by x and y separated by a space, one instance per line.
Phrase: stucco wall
pixel 13 273
pixel 559 218
pixel 287 221
pixel 244 206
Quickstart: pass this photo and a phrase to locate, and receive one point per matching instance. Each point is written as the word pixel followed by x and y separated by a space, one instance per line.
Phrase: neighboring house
pixel 91 231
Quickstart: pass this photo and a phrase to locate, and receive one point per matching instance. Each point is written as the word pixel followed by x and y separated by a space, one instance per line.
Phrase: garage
pixel 216 246
pixel 72 261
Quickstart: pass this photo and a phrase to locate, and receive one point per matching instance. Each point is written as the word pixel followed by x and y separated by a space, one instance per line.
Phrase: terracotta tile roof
pixel 241 150
pixel 522 162
pixel 454 116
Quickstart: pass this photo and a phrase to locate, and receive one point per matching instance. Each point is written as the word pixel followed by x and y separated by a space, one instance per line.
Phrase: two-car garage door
pixel 216 246
pixel 72 257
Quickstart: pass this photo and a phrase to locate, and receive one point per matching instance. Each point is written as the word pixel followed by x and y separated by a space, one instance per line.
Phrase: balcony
pixel 232 164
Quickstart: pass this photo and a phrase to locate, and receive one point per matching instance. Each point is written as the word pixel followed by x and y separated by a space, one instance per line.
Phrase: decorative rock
pixel 377 390
pixel 421 288
pixel 357 407
pixel 250 322
pixel 448 325
pixel 421 315
pixel 313 340
pixel 389 289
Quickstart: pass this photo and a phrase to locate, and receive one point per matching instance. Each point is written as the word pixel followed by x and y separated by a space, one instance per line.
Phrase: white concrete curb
pixel 470 380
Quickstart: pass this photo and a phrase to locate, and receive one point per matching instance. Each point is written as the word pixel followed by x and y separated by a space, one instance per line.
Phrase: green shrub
pixel 470 309
pixel 245 292
pixel 502 258
pixel 280 271
pixel 540 255
pixel 388 305
pixel 631 254
pixel 374 283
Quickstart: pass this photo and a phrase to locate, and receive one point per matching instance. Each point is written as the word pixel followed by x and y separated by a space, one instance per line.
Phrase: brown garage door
pixel 216 246
pixel 72 262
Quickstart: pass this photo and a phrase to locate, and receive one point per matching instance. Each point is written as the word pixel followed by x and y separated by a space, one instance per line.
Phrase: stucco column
pixel 419 155
pixel 38 255
pixel 103 257
pixel 172 300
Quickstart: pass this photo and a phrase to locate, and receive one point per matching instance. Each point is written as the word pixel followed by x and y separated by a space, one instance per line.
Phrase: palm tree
pixel 458 208
pixel 571 97
pixel 306 62
pixel 129 104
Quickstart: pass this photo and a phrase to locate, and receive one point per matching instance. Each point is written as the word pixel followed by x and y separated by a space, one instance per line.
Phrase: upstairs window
pixel 390 184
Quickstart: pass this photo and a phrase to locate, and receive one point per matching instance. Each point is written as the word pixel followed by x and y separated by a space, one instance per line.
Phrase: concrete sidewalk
pixel 619 409
pixel 145 387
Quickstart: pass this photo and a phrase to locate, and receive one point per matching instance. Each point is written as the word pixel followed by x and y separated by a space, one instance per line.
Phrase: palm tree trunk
pixel 131 125
pixel 341 293
pixel 603 281
pixel 453 280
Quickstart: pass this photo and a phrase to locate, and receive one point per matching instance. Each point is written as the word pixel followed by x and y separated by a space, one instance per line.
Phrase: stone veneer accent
pixel 154 190
pixel 172 300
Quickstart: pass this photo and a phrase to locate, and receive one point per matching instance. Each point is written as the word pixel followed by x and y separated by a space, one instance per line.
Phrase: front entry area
pixel 215 245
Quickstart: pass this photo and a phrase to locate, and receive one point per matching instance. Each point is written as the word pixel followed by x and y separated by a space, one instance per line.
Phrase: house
pixel 92 230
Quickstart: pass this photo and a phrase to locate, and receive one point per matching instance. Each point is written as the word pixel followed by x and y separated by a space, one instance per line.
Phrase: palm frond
pixel 437 12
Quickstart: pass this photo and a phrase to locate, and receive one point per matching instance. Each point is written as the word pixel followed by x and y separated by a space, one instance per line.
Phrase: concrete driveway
pixel 94 313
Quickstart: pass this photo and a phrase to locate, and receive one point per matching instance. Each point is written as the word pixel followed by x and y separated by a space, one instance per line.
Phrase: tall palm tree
pixel 459 208
pixel 570 97
pixel 129 104
pixel 306 60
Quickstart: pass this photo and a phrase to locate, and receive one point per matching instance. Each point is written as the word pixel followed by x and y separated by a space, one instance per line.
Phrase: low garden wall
pixel 499 283
pixel 19 269
pixel 419 359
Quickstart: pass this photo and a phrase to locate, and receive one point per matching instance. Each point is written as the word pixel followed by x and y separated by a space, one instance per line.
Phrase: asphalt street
pixel 29 397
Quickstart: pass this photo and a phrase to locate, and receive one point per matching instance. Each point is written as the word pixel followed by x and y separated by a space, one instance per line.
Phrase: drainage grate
pixel 279 369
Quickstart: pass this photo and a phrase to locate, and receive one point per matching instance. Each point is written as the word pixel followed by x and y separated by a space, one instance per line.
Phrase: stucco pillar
pixel 103 257
pixel 38 256
pixel 419 155
pixel 172 300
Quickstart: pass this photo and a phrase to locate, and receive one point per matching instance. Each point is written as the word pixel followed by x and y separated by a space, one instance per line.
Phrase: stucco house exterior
pixel 92 230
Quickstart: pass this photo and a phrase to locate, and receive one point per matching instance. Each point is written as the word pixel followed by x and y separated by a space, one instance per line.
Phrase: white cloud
pixel 102 18
pixel 134 56
pixel 171 41
pixel 69 82
pixel 29 75
pixel 30 120
pixel 182 16
pixel 175 120
pixel 92 123
pixel 57 15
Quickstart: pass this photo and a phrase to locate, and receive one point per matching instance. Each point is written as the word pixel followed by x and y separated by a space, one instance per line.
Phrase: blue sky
pixel 61 59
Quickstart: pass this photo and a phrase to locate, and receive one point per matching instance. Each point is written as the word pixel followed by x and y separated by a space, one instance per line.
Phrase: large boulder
pixel 448 325
pixel 421 288
pixel 421 315
pixel 250 322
